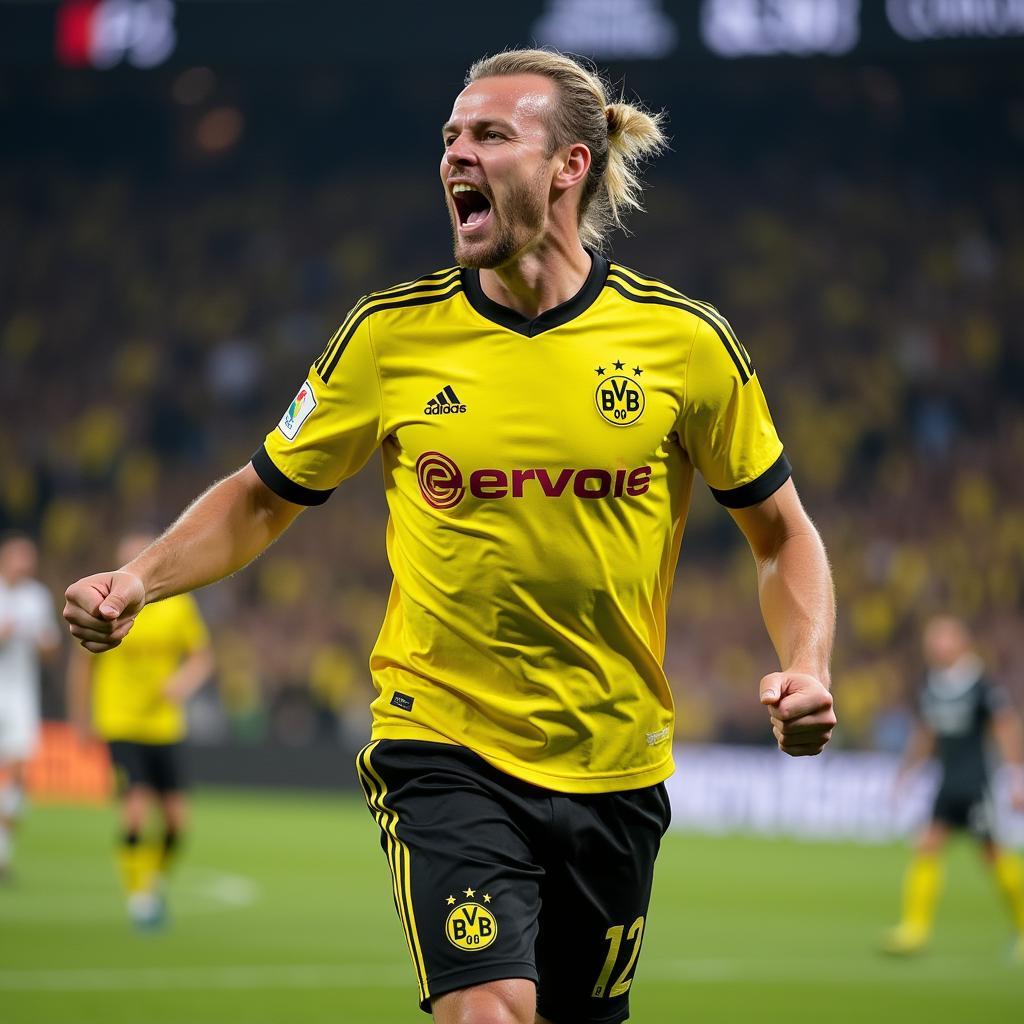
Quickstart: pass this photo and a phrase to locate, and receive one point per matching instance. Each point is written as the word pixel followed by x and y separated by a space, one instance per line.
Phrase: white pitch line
pixel 199 891
pixel 878 970
pixel 272 976
pixel 337 976
pixel 229 890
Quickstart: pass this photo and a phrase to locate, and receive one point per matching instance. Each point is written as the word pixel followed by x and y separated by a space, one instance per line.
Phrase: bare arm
pixel 1009 738
pixel 46 642
pixel 79 692
pixel 794 581
pixel 1006 730
pixel 919 749
pixel 48 646
pixel 191 674
pixel 798 605
pixel 219 533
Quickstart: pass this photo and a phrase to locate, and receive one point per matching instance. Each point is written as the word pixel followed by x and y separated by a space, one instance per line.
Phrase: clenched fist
pixel 100 609
pixel 802 715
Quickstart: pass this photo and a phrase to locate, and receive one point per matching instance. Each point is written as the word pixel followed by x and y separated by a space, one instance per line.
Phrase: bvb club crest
pixel 619 397
pixel 471 925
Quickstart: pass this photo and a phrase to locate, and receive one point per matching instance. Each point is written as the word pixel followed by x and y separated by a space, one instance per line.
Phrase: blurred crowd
pixel 152 331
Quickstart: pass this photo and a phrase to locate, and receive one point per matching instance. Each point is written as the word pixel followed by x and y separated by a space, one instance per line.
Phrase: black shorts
pixel 154 765
pixel 496 878
pixel 969 809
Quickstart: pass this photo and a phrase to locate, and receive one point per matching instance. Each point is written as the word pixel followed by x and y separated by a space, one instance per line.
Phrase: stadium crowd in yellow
pixel 906 440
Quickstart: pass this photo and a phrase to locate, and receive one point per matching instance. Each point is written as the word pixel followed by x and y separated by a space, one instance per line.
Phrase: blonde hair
pixel 619 135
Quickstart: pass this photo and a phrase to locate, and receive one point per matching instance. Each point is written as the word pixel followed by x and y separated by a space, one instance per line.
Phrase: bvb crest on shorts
pixel 619 397
pixel 471 925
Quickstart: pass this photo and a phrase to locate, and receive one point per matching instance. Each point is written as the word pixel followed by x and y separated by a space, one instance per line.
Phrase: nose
pixel 459 153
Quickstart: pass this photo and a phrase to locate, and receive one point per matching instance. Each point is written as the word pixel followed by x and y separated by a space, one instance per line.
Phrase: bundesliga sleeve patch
pixel 298 412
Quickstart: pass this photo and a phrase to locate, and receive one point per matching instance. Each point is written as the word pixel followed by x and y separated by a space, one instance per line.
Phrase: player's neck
pixel 539 280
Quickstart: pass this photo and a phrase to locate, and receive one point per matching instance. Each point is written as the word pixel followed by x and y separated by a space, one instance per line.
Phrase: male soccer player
pixel 960 708
pixel 541 412
pixel 28 631
pixel 134 699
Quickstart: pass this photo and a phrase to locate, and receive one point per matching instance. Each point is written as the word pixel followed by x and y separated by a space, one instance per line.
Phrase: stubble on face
pixel 523 214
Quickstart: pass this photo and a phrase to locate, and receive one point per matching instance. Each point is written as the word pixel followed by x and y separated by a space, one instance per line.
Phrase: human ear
pixel 574 163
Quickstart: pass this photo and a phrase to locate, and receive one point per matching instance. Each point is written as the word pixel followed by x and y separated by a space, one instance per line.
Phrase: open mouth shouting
pixel 472 208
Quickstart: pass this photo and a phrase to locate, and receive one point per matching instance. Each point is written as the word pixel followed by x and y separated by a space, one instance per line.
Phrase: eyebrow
pixel 486 122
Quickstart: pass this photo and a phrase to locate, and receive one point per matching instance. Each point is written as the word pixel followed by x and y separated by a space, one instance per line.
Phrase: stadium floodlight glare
pixel 798 28
pixel 616 29
pixel 104 34
pixel 926 19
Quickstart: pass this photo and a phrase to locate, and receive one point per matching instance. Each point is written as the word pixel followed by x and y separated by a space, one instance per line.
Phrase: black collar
pixel 555 317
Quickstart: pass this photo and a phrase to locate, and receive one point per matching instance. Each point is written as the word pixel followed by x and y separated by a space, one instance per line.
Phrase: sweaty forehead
pixel 521 99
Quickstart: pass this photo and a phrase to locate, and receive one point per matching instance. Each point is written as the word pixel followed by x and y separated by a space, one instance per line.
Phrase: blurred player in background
pixel 960 708
pixel 541 412
pixel 28 631
pixel 134 699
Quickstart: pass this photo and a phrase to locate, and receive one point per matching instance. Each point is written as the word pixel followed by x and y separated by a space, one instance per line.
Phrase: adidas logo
pixel 444 403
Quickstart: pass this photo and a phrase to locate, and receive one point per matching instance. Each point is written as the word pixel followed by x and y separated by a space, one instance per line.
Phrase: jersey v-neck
pixel 554 317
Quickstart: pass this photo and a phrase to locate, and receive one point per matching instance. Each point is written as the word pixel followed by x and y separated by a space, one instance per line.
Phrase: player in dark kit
pixel 523 728
pixel 960 709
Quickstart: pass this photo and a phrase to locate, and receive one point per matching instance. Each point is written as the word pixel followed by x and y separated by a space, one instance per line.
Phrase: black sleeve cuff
pixel 282 486
pixel 757 490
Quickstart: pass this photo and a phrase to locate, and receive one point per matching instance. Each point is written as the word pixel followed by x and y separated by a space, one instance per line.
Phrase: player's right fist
pixel 100 609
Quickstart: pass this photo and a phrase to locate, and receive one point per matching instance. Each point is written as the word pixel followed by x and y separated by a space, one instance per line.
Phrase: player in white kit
pixel 28 631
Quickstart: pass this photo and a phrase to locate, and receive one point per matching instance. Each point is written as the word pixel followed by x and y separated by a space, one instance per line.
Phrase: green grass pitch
pixel 281 912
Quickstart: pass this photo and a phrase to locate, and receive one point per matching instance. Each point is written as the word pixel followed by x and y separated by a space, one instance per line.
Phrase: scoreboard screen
pixel 104 34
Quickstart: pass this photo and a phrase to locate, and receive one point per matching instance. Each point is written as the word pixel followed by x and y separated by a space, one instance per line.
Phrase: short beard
pixel 526 210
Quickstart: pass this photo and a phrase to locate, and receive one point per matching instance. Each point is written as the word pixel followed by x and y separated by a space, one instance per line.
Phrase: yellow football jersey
pixel 538 474
pixel 128 682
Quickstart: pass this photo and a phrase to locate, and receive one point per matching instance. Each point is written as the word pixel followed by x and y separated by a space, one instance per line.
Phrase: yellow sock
pixel 129 868
pixel 921 894
pixel 151 857
pixel 168 852
pixel 1010 875
pixel 138 865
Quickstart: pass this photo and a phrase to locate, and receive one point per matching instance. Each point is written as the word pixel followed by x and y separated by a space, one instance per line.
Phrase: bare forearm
pixel 795 587
pixel 193 672
pixel 79 687
pixel 48 648
pixel 798 604
pixel 1009 738
pixel 919 749
pixel 218 534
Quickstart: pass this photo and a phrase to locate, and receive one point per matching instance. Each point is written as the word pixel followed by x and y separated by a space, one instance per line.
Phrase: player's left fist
pixel 801 710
